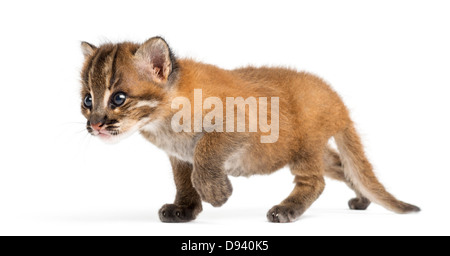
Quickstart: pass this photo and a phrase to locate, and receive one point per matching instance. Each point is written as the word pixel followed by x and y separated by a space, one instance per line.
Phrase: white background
pixel 390 61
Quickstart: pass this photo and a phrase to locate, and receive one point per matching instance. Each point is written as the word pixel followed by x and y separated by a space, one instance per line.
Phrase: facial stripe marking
pixel 88 72
pixel 106 96
pixel 146 103
pixel 98 77
pixel 112 78
pixel 101 66
pixel 93 67
pixel 86 75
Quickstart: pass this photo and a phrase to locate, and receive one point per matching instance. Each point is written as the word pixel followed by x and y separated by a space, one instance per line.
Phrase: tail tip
pixel 415 208
pixel 409 208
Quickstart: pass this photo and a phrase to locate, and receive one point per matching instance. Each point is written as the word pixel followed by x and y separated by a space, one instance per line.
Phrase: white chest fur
pixel 180 145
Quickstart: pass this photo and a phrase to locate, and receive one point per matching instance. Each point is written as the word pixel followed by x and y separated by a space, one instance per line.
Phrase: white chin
pixel 114 139
pixel 111 139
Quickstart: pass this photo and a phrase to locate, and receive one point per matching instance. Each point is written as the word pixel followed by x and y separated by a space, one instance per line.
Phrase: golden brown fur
pixel 310 114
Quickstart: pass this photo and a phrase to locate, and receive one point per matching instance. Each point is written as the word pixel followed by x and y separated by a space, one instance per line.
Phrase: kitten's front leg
pixel 208 177
pixel 187 203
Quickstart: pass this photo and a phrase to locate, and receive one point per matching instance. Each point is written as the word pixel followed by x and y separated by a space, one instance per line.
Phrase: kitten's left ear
pixel 88 49
pixel 155 60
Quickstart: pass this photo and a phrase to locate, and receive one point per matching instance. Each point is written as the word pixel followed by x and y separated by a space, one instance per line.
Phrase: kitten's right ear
pixel 88 49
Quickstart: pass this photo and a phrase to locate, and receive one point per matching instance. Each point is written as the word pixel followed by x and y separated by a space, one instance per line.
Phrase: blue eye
pixel 88 101
pixel 118 99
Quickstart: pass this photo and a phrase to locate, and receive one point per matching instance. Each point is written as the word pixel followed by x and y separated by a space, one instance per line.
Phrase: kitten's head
pixel 123 85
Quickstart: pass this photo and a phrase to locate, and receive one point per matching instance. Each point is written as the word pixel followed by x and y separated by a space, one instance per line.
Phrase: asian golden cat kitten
pixel 130 87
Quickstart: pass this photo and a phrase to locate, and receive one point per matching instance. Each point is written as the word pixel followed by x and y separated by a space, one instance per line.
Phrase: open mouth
pixel 104 134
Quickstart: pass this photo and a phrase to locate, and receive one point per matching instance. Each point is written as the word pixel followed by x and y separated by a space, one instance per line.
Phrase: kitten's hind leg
pixel 187 203
pixel 334 169
pixel 309 184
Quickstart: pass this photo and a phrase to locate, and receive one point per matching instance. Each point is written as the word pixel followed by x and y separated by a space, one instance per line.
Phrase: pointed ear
pixel 88 49
pixel 154 60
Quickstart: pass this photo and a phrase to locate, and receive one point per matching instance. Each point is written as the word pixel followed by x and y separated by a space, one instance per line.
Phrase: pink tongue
pixel 103 135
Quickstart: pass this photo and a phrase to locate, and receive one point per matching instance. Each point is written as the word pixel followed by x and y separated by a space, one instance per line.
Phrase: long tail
pixel 359 171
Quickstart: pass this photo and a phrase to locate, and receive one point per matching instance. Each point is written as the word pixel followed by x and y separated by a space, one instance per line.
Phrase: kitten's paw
pixel 359 203
pixel 214 190
pixel 282 214
pixel 172 213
